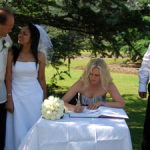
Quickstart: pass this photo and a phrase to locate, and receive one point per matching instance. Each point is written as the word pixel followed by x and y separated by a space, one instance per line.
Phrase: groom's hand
pixel 142 94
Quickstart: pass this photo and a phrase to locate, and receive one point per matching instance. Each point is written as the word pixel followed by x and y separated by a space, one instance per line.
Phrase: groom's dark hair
pixel 4 13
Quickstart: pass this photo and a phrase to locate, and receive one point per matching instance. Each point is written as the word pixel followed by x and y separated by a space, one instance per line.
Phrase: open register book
pixel 101 112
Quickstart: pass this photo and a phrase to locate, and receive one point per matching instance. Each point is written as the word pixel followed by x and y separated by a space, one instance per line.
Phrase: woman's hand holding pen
pixel 78 108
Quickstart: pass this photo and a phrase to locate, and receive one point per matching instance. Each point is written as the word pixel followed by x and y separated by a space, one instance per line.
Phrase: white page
pixel 90 110
pixel 85 115
pixel 101 112
pixel 113 112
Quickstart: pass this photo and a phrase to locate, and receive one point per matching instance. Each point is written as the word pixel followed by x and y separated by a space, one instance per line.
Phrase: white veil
pixel 45 44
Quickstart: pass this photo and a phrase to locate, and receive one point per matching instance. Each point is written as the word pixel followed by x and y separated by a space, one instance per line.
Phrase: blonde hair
pixel 105 77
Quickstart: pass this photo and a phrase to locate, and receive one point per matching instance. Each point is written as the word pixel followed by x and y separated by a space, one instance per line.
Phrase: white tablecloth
pixel 78 134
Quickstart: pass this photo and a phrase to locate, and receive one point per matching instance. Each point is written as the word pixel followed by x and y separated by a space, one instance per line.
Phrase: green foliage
pixel 138 45
pixel 100 22
pixel 66 48
pixel 103 19
pixel 140 49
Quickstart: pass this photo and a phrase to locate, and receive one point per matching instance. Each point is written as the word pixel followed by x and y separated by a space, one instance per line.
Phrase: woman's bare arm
pixel 118 100
pixel 41 73
pixel 76 87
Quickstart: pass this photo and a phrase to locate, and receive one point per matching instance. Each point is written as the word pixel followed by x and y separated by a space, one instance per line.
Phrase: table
pixel 78 134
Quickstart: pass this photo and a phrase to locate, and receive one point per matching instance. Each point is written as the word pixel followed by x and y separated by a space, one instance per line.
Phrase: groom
pixel 144 75
pixel 6 24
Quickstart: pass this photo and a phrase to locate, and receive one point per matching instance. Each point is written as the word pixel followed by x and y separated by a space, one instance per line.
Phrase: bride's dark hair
pixel 35 36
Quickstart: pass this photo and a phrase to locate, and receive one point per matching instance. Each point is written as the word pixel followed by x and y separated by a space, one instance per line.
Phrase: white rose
pixel 54 112
pixel 57 104
pixel 52 108
pixel 61 113
pixel 51 98
pixel 57 116
pixel 43 114
pixel 44 109
pixel 56 99
pixel 57 109
pixel 51 102
pixel 48 107
pixel 7 44
pixel 61 105
pixel 44 104
pixel 54 105
pixel 46 101
pixel 61 108
pixel 46 117
pixel 48 112
pixel 53 117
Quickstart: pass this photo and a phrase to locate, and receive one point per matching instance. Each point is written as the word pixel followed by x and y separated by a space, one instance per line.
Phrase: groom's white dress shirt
pixel 3 63
pixel 144 71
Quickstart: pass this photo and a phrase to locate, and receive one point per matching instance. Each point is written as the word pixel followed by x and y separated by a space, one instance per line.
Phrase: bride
pixel 25 83
pixel 93 86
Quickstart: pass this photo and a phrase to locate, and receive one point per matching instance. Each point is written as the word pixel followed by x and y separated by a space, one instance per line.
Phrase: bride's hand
pixel 95 105
pixel 78 108
pixel 10 106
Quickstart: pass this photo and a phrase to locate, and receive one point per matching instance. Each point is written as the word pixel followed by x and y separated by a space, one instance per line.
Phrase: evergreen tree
pixel 103 19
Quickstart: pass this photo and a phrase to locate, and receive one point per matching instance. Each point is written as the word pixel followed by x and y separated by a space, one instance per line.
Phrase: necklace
pixel 24 57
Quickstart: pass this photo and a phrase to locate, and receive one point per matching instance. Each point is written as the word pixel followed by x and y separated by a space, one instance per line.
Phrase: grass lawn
pixel 127 85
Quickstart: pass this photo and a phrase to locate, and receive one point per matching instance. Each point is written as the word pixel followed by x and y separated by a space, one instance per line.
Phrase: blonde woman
pixel 93 86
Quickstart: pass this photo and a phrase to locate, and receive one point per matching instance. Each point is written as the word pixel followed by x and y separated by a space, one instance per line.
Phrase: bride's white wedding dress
pixel 27 97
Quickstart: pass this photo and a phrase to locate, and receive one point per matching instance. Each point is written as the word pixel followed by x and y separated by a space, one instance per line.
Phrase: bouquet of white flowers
pixel 52 108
